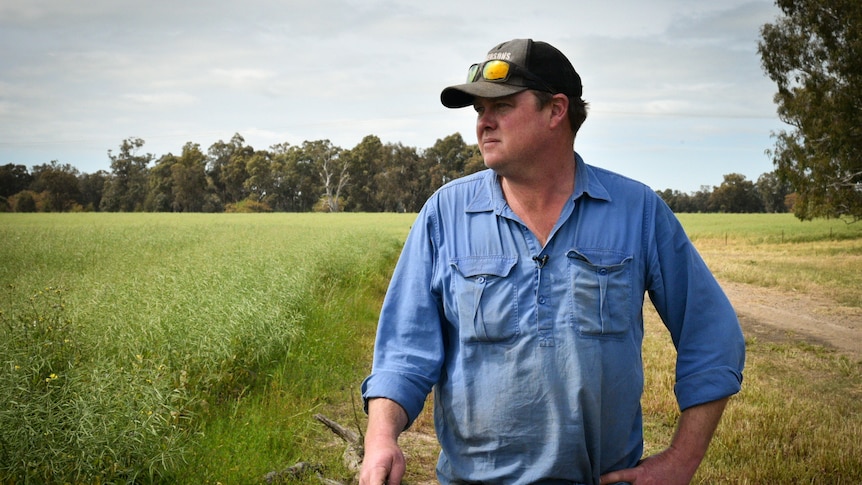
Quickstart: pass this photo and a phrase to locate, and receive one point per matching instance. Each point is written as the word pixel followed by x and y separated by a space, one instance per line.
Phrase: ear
pixel 559 110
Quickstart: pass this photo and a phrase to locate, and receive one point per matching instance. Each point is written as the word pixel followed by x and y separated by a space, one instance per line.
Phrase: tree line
pixel 314 176
pixel 233 176
pixel 813 53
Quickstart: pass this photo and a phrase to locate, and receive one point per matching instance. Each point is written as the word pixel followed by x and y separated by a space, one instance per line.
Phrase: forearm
pixel 386 420
pixel 383 461
pixel 677 464
pixel 696 427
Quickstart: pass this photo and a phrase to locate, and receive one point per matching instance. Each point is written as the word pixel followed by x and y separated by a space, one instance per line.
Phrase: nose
pixel 485 120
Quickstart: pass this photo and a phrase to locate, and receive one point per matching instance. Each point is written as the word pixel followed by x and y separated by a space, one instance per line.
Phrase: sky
pixel 676 92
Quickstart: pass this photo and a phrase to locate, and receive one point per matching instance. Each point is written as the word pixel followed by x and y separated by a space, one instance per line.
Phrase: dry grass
pixel 819 268
pixel 820 258
pixel 798 418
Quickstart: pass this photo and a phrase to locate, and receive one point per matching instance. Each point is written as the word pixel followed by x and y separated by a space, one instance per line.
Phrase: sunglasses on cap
pixel 500 71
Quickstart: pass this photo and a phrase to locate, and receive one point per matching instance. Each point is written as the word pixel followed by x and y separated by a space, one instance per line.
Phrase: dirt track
pixel 779 315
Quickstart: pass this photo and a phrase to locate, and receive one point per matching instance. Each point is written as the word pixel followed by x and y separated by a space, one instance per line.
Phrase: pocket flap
pixel 470 266
pixel 600 257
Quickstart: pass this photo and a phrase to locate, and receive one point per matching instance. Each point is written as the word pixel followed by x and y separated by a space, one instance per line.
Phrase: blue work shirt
pixel 534 353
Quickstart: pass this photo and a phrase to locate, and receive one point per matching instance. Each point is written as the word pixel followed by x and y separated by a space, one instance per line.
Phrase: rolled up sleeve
pixel 408 352
pixel 702 323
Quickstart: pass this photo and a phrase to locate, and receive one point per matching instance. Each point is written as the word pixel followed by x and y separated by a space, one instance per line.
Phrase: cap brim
pixel 463 94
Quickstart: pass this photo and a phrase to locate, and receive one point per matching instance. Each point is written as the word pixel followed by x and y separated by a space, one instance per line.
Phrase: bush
pixel 25 201
pixel 248 206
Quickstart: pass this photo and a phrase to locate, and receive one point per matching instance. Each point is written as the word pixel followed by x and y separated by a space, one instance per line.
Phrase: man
pixel 518 298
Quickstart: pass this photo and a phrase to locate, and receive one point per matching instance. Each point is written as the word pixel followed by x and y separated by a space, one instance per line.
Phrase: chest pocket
pixel 486 299
pixel 601 292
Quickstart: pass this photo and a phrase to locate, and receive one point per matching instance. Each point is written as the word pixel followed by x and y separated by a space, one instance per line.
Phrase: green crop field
pixel 822 257
pixel 191 348
pixel 127 337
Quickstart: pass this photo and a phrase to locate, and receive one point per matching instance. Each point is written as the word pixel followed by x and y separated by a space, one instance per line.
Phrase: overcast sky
pixel 677 96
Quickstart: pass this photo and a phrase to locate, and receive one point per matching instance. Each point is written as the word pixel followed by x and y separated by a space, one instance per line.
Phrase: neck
pixel 542 181
pixel 539 198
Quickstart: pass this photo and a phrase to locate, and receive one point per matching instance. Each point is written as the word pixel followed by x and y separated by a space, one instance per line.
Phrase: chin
pixel 491 163
pixel 497 166
pixel 491 159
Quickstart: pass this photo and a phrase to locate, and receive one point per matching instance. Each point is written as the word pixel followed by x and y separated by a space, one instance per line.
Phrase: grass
pixel 798 418
pixel 758 229
pixel 188 348
pixel 131 337
pixel 822 257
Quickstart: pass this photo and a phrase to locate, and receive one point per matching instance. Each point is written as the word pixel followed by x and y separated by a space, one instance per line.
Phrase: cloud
pixel 201 70
pixel 157 100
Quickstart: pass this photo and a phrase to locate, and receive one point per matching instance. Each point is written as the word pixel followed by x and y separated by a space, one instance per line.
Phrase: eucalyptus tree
pixel 160 195
pixel 295 179
pixel 13 179
pixel 226 167
pixel 814 54
pixel 58 184
pixel 92 186
pixel 127 186
pixel 188 180
pixel 773 192
pixel 735 195
pixel 448 158
pixel 366 161
pixel 400 182
pixel 332 168
pixel 261 180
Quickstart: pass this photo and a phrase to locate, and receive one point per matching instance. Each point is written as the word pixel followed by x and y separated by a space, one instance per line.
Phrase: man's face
pixel 510 130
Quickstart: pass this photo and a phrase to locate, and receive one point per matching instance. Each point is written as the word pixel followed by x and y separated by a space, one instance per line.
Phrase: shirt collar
pixel 490 195
pixel 586 182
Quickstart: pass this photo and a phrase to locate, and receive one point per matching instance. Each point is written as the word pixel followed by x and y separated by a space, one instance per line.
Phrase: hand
pixel 383 463
pixel 661 469
pixel 677 464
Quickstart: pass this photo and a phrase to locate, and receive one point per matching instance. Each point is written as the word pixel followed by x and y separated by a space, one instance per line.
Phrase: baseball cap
pixel 512 67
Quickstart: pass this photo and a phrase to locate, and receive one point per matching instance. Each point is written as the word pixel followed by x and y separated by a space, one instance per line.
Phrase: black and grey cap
pixel 545 68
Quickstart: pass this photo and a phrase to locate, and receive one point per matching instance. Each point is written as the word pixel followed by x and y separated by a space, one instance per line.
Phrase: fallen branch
pixel 294 472
pixel 352 457
pixel 351 437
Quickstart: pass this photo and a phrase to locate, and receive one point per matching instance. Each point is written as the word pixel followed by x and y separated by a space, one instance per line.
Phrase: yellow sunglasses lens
pixel 495 70
pixel 499 71
pixel 491 71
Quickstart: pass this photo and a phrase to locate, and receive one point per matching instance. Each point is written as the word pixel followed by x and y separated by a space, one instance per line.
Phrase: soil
pixel 779 316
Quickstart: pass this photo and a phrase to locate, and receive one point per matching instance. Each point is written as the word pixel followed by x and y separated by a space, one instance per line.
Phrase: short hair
pixel 577 108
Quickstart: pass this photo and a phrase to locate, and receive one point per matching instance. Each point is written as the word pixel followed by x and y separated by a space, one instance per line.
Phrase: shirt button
pixel 480 280
pixel 603 271
pixel 541 300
